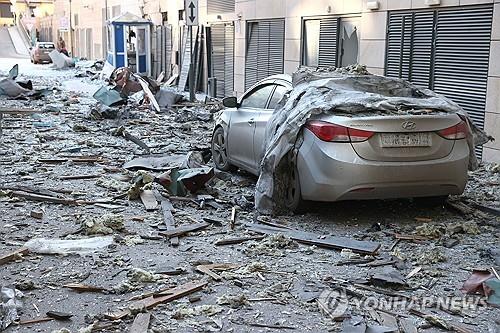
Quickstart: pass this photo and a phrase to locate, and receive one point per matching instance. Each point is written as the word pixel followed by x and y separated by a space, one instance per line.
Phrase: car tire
pixel 219 150
pixel 293 196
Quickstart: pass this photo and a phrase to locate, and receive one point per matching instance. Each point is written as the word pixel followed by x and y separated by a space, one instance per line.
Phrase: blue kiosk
pixel 129 43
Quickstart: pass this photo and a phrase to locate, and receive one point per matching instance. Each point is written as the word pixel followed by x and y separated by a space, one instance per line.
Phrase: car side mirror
pixel 230 102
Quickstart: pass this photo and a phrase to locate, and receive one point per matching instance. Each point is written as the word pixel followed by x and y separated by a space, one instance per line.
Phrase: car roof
pixel 45 43
pixel 283 77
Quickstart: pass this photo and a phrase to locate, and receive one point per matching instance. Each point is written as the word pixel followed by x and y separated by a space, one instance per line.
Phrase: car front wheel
pixel 219 150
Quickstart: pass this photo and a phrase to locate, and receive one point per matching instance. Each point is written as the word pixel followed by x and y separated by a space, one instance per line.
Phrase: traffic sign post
pixel 191 11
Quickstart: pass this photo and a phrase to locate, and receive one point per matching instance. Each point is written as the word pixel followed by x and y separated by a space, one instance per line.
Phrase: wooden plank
pixel 79 287
pixel 74 160
pixel 486 209
pixel 141 323
pixel 164 297
pixel 149 200
pixel 32 189
pixel 13 110
pixel 35 321
pixel 237 240
pixel 410 237
pixel 13 255
pixel 75 177
pixel 181 231
pixel 168 218
pixel 43 198
pixel 330 242
pixel 233 218
pixel 207 269
pixel 459 207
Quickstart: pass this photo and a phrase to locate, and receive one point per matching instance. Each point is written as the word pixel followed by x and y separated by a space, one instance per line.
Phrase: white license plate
pixel 394 140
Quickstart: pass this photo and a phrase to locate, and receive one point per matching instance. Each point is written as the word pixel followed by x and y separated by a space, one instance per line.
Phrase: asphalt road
pixel 7 49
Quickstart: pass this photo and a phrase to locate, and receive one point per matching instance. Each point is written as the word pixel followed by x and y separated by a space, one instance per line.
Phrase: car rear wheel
pixel 293 198
pixel 219 150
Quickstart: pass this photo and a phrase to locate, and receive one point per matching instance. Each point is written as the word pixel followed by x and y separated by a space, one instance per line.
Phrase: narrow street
pixel 65 151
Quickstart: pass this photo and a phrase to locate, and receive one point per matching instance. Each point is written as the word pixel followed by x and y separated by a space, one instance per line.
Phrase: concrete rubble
pixel 96 226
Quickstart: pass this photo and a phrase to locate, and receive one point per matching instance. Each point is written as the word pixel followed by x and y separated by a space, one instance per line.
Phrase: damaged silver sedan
pixel 341 155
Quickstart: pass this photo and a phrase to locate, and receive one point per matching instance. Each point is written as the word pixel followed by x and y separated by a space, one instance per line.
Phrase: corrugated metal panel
pixel 223 58
pixel 328 41
pixel 462 57
pixel 265 50
pixel 220 6
pixel 409 46
pixel 162 50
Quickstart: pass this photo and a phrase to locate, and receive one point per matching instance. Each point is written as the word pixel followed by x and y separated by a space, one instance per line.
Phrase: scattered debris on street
pixel 115 220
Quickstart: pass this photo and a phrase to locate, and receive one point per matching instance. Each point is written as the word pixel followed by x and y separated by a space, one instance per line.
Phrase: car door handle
pixel 251 122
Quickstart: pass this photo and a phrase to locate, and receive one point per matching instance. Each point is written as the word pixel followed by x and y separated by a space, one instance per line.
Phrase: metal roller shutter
pixel 251 56
pixel 462 57
pixel 328 42
pixel 229 60
pixel 276 47
pixel 409 46
pixel 220 6
pixel 446 50
pixel 223 58
pixel 265 50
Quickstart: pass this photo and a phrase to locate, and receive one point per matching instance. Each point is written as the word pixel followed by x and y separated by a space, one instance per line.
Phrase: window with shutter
pixel 220 6
pixel 447 50
pixel 265 50
pixel 462 57
pixel 409 46
pixel 330 41
pixel 222 37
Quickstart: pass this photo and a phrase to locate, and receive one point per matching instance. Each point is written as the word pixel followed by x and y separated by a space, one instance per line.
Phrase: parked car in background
pixel 40 52
pixel 348 158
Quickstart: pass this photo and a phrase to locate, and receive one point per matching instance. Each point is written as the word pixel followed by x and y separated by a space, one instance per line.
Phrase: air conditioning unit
pixel 372 5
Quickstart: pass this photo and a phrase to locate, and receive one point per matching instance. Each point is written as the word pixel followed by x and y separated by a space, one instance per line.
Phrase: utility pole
pixel 191 8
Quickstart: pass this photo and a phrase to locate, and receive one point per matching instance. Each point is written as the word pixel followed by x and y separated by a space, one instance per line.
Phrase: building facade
pixel 450 46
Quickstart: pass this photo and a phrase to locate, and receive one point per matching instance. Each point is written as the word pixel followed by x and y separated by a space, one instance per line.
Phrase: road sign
pixel 191 10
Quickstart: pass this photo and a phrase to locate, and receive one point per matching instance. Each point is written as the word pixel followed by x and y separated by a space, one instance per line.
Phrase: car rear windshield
pixel 47 46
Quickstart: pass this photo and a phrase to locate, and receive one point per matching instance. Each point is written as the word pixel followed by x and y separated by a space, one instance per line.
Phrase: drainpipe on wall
pixel 71 30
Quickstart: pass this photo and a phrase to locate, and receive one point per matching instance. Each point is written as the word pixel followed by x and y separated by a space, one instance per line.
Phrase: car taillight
pixel 457 132
pixel 336 133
